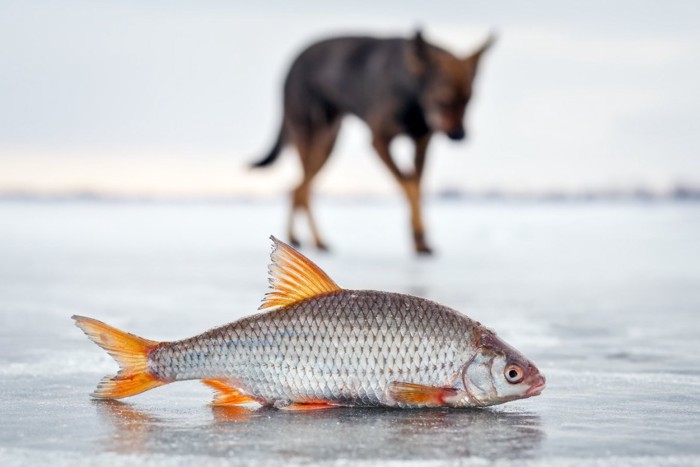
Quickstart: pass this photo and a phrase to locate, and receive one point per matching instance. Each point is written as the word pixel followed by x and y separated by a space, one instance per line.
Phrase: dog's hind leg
pixel 314 151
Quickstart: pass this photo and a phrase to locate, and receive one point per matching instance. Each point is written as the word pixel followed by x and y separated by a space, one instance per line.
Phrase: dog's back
pixel 349 75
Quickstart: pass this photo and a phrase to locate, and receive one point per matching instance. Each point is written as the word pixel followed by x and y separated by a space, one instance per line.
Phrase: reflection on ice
pixel 344 433
pixel 134 428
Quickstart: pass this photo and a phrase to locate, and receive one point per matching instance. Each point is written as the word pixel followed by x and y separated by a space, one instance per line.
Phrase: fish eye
pixel 514 374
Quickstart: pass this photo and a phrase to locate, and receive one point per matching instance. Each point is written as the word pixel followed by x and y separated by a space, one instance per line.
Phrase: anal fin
pixel 225 394
pixel 417 394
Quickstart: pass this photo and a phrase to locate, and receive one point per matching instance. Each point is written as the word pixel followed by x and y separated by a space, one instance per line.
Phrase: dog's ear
pixel 472 60
pixel 418 54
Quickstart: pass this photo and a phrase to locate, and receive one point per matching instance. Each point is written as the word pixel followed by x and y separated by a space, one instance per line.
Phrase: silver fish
pixel 321 346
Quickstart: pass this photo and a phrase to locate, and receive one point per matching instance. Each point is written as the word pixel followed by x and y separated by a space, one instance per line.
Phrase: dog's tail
pixel 274 152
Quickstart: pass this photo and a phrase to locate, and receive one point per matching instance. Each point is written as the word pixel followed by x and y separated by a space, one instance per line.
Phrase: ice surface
pixel 603 297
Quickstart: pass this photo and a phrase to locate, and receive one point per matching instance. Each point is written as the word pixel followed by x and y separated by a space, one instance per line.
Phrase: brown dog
pixel 397 86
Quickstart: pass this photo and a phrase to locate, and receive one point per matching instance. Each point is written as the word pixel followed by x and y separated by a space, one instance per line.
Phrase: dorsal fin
pixel 293 277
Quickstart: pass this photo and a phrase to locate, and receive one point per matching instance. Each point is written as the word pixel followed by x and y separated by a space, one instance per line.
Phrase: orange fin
pixel 304 406
pixel 225 394
pixel 417 394
pixel 130 352
pixel 294 277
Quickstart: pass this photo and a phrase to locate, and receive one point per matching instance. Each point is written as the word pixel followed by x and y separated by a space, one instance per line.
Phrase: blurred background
pixel 172 99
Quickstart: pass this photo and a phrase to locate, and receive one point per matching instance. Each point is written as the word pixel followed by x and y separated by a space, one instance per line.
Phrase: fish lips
pixel 536 388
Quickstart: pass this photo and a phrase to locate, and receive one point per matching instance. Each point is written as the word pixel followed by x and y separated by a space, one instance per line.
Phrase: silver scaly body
pixel 343 347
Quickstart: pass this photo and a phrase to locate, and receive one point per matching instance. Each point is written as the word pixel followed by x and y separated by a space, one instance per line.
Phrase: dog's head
pixel 446 83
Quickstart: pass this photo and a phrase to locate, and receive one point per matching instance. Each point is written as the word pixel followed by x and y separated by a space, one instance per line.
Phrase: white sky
pixel 175 97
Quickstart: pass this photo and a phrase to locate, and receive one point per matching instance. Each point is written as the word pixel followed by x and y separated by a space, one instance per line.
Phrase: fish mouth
pixel 536 389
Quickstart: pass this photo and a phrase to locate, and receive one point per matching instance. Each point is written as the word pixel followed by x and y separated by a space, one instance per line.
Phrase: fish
pixel 314 345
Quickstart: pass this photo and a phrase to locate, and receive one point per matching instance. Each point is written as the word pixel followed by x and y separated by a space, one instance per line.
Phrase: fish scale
pixel 329 347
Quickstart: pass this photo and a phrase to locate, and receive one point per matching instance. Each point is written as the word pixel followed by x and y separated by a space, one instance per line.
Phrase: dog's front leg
pixel 413 192
pixel 410 184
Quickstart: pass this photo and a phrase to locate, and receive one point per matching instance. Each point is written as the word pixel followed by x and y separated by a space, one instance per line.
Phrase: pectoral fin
pixel 417 394
pixel 225 394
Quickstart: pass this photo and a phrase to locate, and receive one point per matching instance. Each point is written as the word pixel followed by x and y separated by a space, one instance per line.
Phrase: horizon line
pixel 679 192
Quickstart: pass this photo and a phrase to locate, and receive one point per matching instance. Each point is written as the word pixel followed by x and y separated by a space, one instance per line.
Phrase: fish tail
pixel 130 352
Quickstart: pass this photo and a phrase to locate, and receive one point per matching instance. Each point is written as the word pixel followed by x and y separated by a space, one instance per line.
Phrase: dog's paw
pixel 424 250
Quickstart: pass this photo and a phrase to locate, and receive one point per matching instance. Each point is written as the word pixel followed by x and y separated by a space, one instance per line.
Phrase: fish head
pixel 498 373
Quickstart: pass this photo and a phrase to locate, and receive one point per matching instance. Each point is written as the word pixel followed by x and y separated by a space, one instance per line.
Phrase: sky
pixel 176 98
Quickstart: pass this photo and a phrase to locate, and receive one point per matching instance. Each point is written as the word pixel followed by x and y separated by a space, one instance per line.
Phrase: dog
pixel 397 86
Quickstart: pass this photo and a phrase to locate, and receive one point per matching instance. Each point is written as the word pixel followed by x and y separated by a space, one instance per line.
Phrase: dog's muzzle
pixel 457 134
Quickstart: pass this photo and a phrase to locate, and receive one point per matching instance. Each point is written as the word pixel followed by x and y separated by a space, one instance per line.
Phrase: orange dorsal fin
pixel 417 394
pixel 225 394
pixel 294 277
pixel 131 353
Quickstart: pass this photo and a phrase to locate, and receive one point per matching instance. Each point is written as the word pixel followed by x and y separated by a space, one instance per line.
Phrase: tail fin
pixel 130 352
pixel 274 152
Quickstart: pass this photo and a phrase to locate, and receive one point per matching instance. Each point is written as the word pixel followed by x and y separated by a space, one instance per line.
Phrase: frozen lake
pixel 604 298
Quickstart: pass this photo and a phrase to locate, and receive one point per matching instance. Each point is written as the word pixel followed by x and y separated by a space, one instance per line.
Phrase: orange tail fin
pixel 130 352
